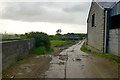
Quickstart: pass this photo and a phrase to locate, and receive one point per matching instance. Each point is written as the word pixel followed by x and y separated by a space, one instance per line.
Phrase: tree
pixel 58 31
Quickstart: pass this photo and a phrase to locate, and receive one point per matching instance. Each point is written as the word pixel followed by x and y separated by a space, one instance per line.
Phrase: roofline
pixel 115 4
pixel 91 6
pixel 103 7
pixel 100 6
pixel 89 11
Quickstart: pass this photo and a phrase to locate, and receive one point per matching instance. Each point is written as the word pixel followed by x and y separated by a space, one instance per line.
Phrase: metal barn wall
pixel 114 41
pixel 115 10
pixel 114 34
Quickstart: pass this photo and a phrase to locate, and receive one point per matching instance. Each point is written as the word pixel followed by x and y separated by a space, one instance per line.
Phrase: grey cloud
pixel 46 12
pixel 77 8
pixel 22 10
pixel 73 9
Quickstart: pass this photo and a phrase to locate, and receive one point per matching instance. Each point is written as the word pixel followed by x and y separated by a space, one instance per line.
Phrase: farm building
pixel 103 27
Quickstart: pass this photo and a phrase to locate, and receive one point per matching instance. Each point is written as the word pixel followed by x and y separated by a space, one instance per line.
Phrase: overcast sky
pixel 21 17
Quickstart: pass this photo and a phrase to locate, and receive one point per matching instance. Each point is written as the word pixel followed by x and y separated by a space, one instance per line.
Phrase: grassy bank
pixel 109 56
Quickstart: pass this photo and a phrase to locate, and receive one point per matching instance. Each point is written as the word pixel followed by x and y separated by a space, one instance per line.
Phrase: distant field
pixel 58 43
pixel 10 39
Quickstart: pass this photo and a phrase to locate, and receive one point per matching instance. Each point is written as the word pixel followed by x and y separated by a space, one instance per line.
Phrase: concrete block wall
pixel 96 33
pixel 13 50
pixel 0 59
pixel 114 42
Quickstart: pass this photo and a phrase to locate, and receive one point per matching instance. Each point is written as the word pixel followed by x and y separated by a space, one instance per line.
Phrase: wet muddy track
pixel 73 63
pixel 70 63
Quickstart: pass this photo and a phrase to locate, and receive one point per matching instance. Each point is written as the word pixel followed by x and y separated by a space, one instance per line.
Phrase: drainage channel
pixel 72 50
pixel 66 65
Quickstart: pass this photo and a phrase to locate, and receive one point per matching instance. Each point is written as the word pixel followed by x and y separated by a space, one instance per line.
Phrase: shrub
pixel 41 39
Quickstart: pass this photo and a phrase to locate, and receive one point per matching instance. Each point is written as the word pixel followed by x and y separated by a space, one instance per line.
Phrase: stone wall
pixel 114 42
pixel 14 50
pixel 96 33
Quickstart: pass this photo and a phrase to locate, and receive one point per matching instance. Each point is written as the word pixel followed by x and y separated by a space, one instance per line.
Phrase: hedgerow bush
pixel 41 39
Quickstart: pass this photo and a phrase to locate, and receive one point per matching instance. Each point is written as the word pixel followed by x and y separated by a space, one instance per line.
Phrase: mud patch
pixel 19 73
pixel 25 68
pixel 63 57
pixel 30 67
pixel 37 57
pixel 12 76
pixel 76 59
pixel 85 55
pixel 61 63
pixel 72 51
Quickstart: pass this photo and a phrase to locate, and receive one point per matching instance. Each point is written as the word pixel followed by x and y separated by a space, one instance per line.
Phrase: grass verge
pixel 109 56
pixel 41 50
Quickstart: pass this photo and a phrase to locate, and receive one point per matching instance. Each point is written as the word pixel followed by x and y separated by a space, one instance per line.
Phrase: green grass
pixel 55 43
pixel 41 50
pixel 104 55
pixel 58 43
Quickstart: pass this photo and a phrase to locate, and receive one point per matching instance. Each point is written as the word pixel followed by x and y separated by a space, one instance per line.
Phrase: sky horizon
pixel 47 17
